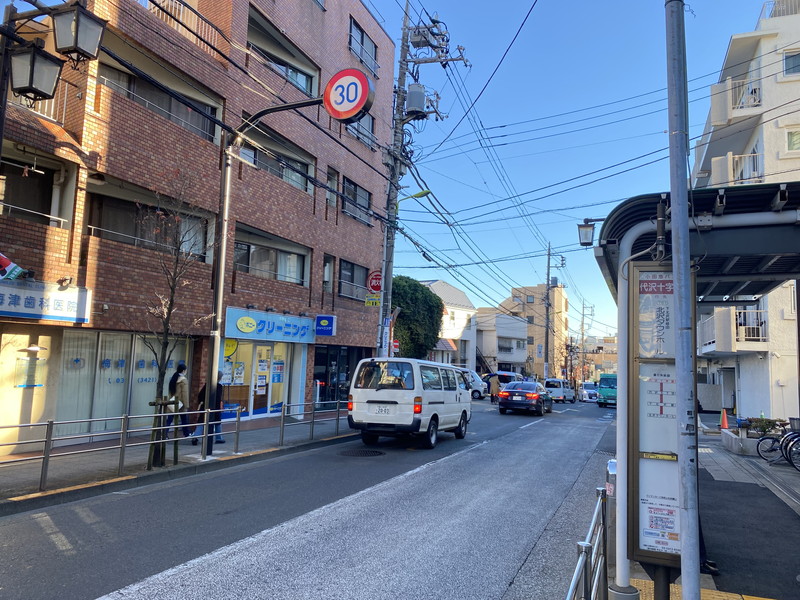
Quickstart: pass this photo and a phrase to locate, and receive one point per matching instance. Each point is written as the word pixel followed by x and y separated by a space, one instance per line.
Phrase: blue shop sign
pixel 325 325
pixel 258 325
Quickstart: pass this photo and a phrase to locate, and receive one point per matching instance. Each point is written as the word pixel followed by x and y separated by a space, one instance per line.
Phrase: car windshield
pixel 552 384
pixel 610 384
pixel 381 375
pixel 589 385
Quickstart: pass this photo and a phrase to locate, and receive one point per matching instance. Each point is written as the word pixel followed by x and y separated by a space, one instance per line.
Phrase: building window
pixel 793 141
pixel 269 45
pixel 154 99
pixel 270 257
pixel 26 187
pixel 517 299
pixel 331 194
pixel 520 344
pixel 531 299
pixel 147 226
pixel 363 47
pixel 364 130
pixel 292 171
pixel 357 201
pixel 793 296
pixel 791 63
pixel 530 320
pixel 352 280
pixel 530 340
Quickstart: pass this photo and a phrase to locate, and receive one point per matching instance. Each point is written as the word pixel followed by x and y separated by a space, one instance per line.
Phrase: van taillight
pixel 418 405
pixel 350 406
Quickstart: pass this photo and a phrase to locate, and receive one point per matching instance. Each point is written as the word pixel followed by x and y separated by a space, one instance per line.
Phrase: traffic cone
pixel 723 419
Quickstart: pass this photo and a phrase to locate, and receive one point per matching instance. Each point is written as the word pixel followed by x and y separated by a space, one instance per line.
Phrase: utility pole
pixel 677 94
pixel 547 305
pixel 424 36
pixel 583 344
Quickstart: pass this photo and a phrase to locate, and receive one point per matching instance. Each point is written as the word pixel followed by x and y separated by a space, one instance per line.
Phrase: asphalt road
pixel 495 515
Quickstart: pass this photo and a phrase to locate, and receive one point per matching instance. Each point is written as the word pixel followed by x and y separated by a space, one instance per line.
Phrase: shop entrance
pixel 255 376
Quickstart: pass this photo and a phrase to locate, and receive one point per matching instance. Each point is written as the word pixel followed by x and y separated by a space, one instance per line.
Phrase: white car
pixel 559 390
pixel 479 387
pixel 588 391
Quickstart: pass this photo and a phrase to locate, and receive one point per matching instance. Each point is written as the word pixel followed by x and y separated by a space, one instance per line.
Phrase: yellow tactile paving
pixel 645 587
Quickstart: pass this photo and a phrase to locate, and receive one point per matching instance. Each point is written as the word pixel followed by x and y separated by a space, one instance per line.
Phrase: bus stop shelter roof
pixel 744 239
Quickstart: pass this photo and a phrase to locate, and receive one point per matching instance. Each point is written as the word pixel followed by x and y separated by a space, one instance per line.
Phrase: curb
pixel 40 500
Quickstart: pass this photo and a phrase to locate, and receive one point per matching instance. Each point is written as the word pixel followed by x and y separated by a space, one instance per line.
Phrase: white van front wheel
pixel 432 435
pixel 461 430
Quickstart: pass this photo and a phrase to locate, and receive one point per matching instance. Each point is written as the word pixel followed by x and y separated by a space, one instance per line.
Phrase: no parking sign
pixel 348 95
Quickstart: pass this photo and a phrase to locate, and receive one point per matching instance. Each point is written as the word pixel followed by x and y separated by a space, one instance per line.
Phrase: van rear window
pixel 383 375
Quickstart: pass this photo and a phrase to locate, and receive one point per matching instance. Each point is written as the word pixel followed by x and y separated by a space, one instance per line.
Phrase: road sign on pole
pixel 348 95
pixel 375 281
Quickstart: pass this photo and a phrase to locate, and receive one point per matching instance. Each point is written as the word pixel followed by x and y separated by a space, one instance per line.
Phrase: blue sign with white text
pixel 258 325
pixel 325 325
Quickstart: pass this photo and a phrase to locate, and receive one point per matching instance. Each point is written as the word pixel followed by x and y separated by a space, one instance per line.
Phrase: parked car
pixel 505 377
pixel 559 389
pixel 525 395
pixel 479 387
pixel 588 392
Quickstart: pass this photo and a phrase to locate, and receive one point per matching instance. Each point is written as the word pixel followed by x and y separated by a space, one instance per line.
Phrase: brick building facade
pixel 83 172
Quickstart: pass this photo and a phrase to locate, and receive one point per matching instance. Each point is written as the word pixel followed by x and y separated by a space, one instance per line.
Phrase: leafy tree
pixel 420 319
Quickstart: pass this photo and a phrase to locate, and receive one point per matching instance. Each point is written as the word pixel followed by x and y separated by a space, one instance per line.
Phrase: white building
pixel 458 335
pixel 748 353
pixel 502 340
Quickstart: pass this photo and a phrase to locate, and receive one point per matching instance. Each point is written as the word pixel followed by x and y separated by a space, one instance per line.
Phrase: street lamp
pixel 586 231
pixel 384 325
pixel 34 72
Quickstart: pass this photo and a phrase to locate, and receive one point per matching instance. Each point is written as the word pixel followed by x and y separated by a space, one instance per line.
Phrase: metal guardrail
pixel 286 408
pixel 120 439
pixel 590 579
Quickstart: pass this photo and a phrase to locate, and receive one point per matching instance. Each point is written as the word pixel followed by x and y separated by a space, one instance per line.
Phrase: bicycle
pixel 784 447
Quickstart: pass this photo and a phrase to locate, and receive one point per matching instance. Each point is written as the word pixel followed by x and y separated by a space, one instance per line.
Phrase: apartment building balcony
pixel 737 169
pixel 187 21
pixel 779 8
pixel 55 108
pixel 730 331
pixel 736 99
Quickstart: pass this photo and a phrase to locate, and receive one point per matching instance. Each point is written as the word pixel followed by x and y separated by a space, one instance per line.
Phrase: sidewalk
pixel 93 471
pixel 750 514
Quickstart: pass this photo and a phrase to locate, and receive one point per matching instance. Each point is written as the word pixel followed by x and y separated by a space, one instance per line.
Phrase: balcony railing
pixel 745 93
pixel 54 109
pixel 748 168
pixel 751 326
pixel 185 21
pixel 780 8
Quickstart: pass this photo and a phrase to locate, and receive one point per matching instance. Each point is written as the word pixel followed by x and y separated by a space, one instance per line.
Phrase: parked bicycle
pixel 785 446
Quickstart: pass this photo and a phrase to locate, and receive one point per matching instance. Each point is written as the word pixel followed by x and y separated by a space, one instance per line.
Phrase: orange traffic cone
pixel 723 419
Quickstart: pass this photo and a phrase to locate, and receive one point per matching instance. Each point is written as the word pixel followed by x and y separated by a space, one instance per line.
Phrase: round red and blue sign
pixel 348 95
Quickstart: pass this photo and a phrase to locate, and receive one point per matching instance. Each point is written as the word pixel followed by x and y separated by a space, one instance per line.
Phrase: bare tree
pixel 178 231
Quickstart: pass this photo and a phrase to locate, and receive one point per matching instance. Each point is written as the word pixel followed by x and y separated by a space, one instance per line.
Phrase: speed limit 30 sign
pixel 348 95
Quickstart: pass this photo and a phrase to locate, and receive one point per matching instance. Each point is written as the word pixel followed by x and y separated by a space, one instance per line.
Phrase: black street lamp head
pixel 34 72
pixel 78 32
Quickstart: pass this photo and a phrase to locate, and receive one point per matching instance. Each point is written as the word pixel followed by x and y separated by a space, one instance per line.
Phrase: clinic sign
pixel 27 299
pixel 653 492
pixel 264 326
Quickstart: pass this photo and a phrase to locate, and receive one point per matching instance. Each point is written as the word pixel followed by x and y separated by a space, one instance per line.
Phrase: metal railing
pixel 53 220
pixel 746 93
pixel 121 439
pixel 748 169
pixel 779 8
pixel 286 411
pixel 751 325
pixel 185 21
pixel 55 108
pixel 590 579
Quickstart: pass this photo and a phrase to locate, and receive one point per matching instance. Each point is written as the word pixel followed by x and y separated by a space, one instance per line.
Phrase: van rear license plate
pixel 381 410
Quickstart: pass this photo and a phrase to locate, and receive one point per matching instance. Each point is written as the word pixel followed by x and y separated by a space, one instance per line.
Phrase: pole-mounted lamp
pixel 78 32
pixel 586 231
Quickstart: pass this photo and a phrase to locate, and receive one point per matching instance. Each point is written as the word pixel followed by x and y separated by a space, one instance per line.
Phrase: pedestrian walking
pixel 494 387
pixel 179 400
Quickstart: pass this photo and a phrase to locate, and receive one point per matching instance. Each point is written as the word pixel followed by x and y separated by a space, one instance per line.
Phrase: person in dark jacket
pixel 214 415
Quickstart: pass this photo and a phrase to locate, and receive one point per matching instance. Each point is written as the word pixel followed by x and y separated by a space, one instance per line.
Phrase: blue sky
pixel 581 89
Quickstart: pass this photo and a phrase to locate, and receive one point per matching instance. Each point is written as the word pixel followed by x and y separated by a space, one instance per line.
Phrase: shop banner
pixel 258 325
pixel 9 270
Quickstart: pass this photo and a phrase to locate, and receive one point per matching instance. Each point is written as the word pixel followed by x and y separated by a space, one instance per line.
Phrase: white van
pixel 397 396
pixel 559 390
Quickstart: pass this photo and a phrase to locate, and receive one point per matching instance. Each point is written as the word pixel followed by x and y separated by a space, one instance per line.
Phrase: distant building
pixel 502 341
pixel 529 304
pixel 458 335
